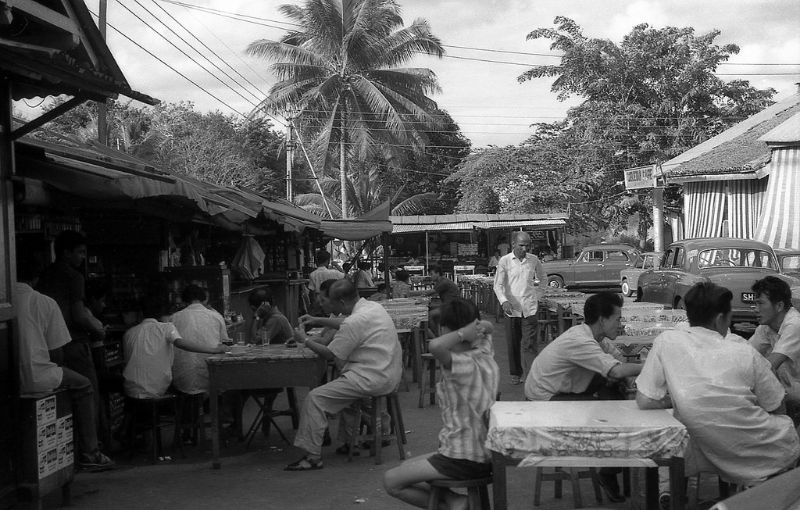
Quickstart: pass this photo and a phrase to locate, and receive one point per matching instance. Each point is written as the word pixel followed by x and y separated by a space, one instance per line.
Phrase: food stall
pixel 464 243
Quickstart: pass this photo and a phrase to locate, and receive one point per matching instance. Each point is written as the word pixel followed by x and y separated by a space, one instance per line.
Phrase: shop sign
pixel 639 178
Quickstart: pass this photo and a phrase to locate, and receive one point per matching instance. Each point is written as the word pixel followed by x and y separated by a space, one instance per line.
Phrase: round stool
pixel 477 492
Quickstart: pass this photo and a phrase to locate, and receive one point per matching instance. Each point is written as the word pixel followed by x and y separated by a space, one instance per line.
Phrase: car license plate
pixel 748 297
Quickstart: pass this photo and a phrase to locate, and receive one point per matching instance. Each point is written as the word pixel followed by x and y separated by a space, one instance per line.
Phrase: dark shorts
pixel 460 469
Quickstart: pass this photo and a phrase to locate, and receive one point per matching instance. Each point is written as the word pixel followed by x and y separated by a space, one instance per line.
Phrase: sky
pixel 485 98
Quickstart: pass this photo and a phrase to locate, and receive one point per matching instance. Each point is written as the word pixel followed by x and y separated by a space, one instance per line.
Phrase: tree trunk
pixel 343 159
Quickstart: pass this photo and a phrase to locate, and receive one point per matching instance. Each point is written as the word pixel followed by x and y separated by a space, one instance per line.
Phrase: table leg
pixel 499 483
pixel 213 395
pixel 677 484
pixel 417 339
pixel 651 488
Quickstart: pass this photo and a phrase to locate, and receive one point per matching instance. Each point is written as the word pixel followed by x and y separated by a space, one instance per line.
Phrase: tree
pixel 339 71
pixel 647 99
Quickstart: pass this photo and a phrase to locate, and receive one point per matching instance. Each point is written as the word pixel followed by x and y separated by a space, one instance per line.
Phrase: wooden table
pixel 268 366
pixel 607 433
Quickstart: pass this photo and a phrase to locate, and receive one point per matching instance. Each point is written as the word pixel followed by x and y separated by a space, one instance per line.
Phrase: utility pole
pixel 290 147
pixel 658 209
pixel 102 110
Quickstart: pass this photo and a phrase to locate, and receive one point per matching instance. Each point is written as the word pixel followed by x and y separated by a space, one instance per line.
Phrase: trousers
pixel 520 334
pixel 82 394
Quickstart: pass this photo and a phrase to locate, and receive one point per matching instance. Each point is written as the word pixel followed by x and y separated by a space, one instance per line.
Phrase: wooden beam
pixel 47 117
pixel 45 14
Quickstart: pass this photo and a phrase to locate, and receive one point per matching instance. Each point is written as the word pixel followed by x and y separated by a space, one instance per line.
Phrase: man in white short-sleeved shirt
pixel 778 336
pixel 204 326
pixel 149 354
pixel 724 392
pixel 367 353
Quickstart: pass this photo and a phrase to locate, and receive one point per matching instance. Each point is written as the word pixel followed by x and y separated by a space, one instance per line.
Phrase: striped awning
pixel 779 223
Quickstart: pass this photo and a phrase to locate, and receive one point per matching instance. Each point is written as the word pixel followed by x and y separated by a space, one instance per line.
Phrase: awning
pixel 468 222
pixel 356 229
pixel 779 223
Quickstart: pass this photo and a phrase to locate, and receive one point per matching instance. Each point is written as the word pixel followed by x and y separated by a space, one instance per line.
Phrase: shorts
pixel 460 469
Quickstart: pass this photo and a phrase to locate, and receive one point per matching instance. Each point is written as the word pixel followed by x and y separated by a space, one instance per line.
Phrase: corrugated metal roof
pixel 788 132
pixel 434 219
pixel 469 225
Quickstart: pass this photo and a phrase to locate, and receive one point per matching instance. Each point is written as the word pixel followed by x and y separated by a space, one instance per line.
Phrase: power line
pixel 224 14
pixel 123 34
pixel 179 49
pixel 263 94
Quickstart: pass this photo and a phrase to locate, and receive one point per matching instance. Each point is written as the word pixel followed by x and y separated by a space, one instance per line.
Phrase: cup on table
pixel 240 338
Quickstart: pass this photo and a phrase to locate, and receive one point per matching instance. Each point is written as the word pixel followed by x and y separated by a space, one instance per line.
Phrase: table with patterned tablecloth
pixel 586 434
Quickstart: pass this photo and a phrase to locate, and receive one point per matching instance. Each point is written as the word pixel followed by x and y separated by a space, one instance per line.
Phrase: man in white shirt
pixel 207 328
pixel 515 282
pixel 320 274
pixel 367 353
pixel 43 333
pixel 149 354
pixel 778 337
pixel 724 392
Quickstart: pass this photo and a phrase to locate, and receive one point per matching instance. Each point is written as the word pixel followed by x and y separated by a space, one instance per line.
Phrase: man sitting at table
pixel 367 353
pixel 778 337
pixel 268 321
pixel 579 364
pixel 149 353
pixel 320 274
pixel 723 392
pixel 444 287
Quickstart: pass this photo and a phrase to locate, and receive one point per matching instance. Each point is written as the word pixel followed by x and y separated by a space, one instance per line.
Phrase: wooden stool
pixel 477 492
pixel 427 384
pixel 573 476
pixel 154 422
pixel 392 403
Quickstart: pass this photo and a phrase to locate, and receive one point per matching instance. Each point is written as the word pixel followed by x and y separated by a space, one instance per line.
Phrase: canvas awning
pixel 779 223
pixel 468 222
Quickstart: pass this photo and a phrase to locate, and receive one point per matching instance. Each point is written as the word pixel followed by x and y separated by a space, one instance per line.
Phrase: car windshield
pixel 736 257
pixel 791 263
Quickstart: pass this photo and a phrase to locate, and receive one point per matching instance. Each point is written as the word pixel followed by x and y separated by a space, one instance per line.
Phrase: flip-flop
pixel 304 464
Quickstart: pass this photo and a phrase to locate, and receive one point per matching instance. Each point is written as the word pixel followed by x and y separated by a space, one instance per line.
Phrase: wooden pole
pixel 102 109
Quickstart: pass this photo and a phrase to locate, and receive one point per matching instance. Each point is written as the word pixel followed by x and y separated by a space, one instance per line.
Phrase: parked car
pixel 629 277
pixel 789 260
pixel 597 265
pixel 732 263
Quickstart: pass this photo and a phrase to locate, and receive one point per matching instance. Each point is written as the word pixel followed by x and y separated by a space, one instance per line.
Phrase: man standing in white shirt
pixel 320 274
pixel 518 275
pixel 778 337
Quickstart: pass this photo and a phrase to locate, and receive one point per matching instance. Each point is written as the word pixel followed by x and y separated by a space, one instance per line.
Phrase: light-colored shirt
pixel 367 342
pixel 207 327
pixel 785 341
pixel 569 363
pixel 723 392
pixel 149 353
pixel 514 282
pixel 41 329
pixel 466 391
pixel 322 274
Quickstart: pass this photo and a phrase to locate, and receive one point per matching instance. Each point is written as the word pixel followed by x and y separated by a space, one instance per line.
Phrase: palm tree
pixel 338 71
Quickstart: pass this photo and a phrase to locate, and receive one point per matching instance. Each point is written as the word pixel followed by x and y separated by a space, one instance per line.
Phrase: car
pixel 789 260
pixel 732 263
pixel 629 277
pixel 596 266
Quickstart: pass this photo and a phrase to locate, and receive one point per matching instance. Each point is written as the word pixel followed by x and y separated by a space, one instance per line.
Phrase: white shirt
pixel 321 274
pixel 785 341
pixel 41 329
pixel 723 392
pixel 514 282
pixel 367 342
pixel 198 323
pixel 149 353
pixel 569 363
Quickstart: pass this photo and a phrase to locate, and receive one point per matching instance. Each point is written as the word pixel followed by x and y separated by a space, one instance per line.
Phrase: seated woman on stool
pixel 465 393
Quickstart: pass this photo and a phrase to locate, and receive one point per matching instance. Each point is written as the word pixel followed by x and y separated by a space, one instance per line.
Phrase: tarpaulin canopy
pixel 371 224
pixel 466 222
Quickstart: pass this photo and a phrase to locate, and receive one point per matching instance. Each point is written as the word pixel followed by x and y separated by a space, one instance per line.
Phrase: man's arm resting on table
pixel 648 403
pixel 324 322
pixel 193 346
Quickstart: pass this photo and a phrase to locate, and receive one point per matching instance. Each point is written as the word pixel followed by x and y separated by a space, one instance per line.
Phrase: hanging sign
pixel 639 178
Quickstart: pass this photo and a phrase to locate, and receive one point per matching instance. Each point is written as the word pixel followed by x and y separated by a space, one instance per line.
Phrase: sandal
pixel 304 464
pixel 345 450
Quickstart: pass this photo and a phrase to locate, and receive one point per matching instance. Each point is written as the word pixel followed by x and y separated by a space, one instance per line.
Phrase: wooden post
pixel 386 272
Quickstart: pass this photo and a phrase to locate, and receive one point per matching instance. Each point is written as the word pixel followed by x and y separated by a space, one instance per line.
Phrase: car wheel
pixel 626 289
pixel 555 282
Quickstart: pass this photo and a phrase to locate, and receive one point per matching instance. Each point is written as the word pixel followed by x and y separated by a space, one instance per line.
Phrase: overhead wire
pixel 123 34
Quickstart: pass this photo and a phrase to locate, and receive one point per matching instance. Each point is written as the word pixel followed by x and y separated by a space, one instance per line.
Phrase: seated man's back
pixel 149 354
pixel 723 392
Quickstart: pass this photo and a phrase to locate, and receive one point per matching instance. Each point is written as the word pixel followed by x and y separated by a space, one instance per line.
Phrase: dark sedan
pixel 732 263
